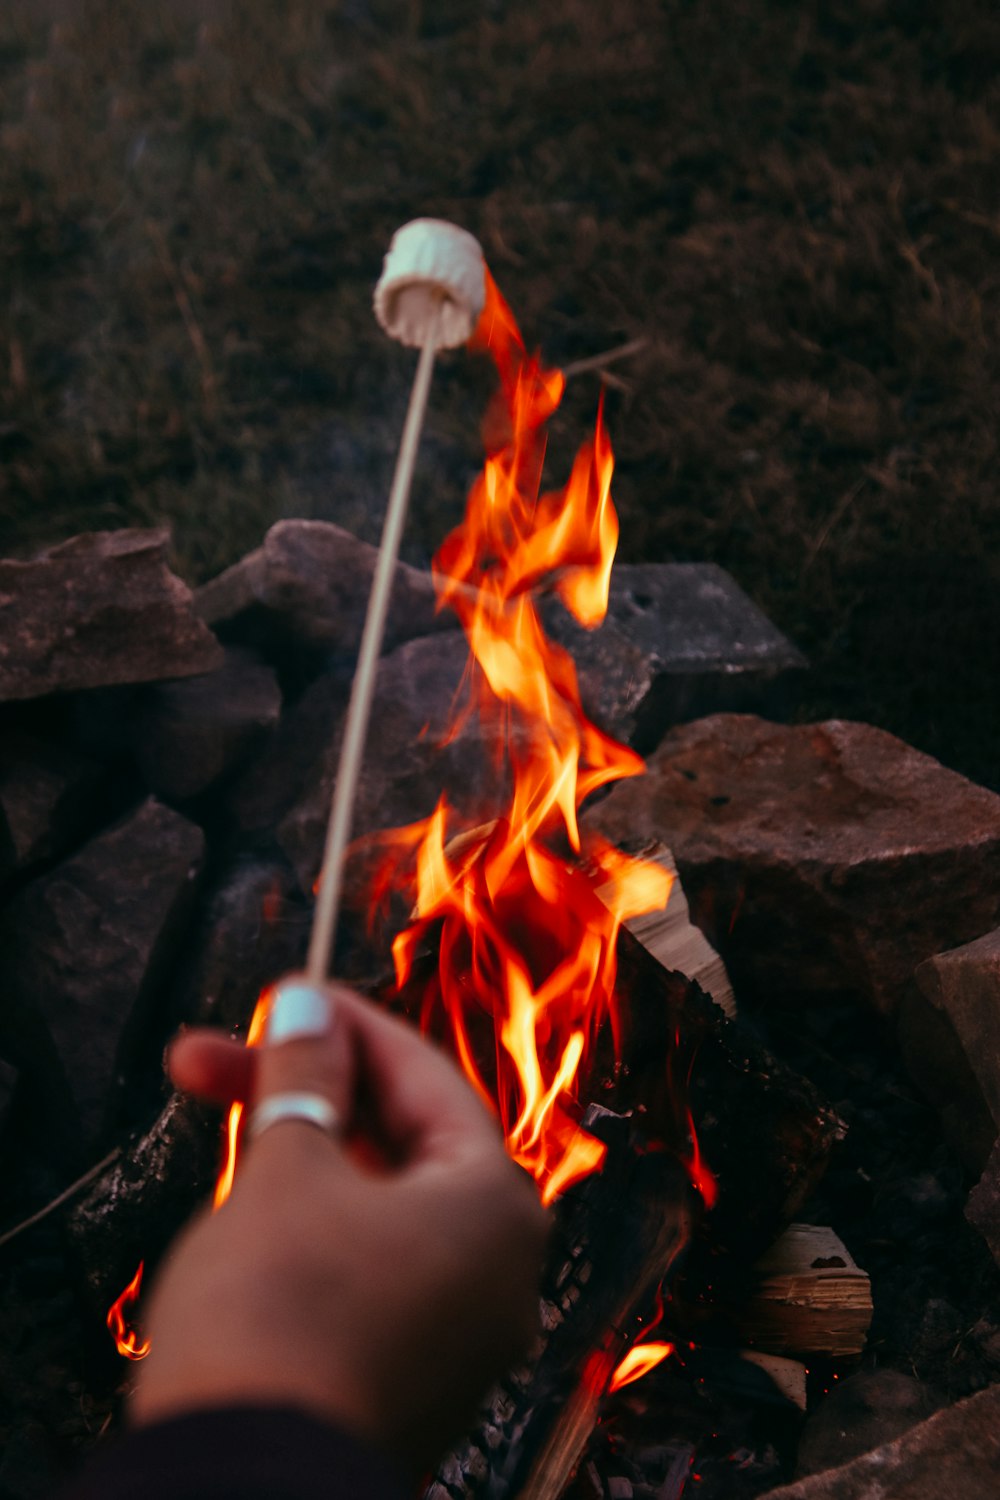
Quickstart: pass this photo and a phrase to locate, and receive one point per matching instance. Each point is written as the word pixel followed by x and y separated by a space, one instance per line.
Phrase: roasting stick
pixel 429 296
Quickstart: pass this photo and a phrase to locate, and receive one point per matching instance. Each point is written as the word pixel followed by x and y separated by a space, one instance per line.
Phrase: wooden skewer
pixel 363 688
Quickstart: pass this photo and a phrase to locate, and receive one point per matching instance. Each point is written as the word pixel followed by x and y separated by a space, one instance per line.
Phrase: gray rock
pixel 861 1413
pixel 255 928
pixel 983 1207
pixel 47 796
pixel 84 951
pixel 309 585
pixel 188 735
pixel 950 1035
pixel 285 767
pixel 102 608
pixel 406 764
pixel 680 640
pixel 954 1455
pixel 819 859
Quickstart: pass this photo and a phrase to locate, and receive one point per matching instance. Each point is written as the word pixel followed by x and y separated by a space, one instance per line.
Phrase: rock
pixel 47 794
pixel 188 735
pixel 954 1455
pixel 255 928
pixel 983 1207
pixel 99 609
pixel 949 1031
pixel 281 772
pixel 308 586
pixel 861 1413
pixel 84 950
pixel 680 640
pixel 406 765
pixel 820 859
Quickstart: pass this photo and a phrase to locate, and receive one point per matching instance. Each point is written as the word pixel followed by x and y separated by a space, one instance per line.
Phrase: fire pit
pixel 683 1330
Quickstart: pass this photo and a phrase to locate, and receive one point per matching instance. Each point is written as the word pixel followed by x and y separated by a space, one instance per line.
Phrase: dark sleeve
pixel 239 1453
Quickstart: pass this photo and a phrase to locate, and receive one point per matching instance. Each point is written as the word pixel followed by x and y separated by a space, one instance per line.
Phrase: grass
pixel 794 203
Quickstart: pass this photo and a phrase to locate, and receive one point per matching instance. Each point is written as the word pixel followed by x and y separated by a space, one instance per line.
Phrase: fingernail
pixel 297 1011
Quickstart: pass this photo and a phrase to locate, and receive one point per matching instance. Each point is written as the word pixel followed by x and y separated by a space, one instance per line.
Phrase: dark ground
pixel 796 203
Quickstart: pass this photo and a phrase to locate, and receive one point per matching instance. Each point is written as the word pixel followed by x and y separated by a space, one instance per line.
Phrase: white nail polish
pixel 297 1011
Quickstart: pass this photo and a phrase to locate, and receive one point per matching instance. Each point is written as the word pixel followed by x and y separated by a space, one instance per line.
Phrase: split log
pixel 810 1297
pixel 675 942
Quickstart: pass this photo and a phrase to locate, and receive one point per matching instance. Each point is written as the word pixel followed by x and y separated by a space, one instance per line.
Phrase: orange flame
pixel 639 1360
pixel 527 959
pixel 227 1172
pixel 128 1341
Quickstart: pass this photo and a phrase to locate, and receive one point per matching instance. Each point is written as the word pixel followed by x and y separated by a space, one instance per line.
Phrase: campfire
pixel 541 933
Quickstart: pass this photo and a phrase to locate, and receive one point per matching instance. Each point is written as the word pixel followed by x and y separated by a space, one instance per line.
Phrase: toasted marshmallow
pixel 431 262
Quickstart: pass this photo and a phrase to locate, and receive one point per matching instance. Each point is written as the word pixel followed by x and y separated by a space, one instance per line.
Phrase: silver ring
pixel 313 1109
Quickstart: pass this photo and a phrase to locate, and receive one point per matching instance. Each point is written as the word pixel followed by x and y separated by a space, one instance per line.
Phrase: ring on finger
pixel 310 1108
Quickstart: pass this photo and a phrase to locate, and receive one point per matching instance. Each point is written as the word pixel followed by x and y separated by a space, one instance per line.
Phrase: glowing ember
pixel 527 962
pixel 639 1360
pixel 128 1341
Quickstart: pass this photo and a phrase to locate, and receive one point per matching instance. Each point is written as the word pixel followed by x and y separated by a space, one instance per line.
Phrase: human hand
pixel 384 1298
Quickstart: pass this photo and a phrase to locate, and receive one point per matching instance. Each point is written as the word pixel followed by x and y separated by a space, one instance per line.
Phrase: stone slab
pixel 983 1207
pixel 407 764
pixel 865 1411
pixel 188 735
pixel 47 796
pixel 954 1455
pixel 950 1035
pixel 83 950
pixel 680 640
pixel 308 586
pixel 100 609
pixel 820 859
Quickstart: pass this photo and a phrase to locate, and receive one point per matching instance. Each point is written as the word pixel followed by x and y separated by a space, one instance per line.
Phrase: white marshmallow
pixel 430 259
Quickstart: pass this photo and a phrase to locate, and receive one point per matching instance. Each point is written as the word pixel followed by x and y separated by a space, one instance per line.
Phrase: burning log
pixel 616 1236
pixel 765 1132
pixel 135 1207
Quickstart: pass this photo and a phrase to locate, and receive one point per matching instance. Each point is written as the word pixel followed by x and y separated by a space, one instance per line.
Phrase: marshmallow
pixel 429 260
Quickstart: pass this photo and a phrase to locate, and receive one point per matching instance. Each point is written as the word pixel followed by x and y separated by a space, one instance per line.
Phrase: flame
pixel 227 1172
pixel 526 932
pixel 127 1340
pixel 639 1360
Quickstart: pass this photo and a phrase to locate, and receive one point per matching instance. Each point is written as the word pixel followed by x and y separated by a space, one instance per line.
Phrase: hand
pixel 384 1298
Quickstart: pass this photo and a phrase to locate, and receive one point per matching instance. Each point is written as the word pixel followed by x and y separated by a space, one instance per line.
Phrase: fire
pixel 128 1341
pixel 639 1360
pixel 227 1173
pixel 527 911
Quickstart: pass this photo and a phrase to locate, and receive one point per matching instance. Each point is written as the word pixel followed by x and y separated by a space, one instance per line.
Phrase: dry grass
pixel 796 203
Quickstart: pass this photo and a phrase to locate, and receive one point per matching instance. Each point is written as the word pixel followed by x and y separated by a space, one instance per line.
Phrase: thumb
pixel 306 1049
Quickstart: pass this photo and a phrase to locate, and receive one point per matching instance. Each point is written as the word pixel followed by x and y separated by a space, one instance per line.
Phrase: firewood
pixel 614 1239
pixel 134 1208
pixel 675 942
pixel 787 1375
pixel 763 1130
pixel 809 1297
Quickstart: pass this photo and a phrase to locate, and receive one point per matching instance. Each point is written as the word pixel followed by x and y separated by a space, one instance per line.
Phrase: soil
pixel 794 204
